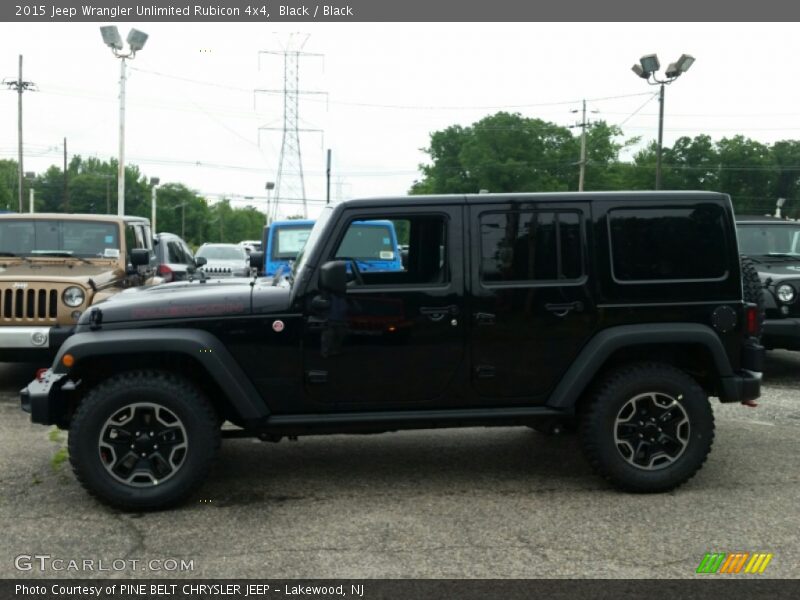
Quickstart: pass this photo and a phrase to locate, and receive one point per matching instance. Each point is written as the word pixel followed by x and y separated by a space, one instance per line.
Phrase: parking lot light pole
pixel 269 187
pixel 154 181
pixel 646 69
pixel 136 40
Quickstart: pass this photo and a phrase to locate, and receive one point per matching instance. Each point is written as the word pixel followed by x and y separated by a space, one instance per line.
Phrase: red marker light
pixel 752 320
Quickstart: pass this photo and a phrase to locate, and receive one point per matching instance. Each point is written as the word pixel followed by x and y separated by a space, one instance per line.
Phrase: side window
pixel 530 246
pixel 408 250
pixel 130 241
pixel 668 244
pixel 187 253
pixel 175 253
pixel 142 236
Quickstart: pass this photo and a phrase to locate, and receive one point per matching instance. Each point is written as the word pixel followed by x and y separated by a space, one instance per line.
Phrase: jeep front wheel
pixel 143 440
pixel 648 428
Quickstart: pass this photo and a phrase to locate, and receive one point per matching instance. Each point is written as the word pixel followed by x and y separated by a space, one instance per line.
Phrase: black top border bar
pixel 265 11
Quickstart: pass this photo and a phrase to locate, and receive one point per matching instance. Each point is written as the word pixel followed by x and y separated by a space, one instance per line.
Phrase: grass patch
pixel 57 437
pixel 58 458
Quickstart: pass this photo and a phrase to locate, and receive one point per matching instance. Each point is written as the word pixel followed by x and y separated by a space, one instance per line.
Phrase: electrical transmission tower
pixel 290 184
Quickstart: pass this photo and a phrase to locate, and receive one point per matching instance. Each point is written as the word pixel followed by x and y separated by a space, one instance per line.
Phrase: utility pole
pixel 66 181
pixel 582 162
pixel 328 179
pixel 582 175
pixel 20 86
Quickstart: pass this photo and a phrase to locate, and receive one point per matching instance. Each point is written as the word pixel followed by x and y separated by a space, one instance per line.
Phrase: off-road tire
pixel 172 392
pixel 753 291
pixel 599 423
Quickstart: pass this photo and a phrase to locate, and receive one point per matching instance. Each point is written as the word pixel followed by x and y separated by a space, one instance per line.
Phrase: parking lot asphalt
pixel 479 502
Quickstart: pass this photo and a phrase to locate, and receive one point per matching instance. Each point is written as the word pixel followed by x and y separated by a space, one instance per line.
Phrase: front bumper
pixel 782 333
pixel 22 344
pixel 45 399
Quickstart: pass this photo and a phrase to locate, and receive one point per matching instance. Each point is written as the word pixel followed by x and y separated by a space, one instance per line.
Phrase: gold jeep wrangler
pixel 54 266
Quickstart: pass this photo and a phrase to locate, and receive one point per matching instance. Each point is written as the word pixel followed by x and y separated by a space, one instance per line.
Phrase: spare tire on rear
pixel 753 291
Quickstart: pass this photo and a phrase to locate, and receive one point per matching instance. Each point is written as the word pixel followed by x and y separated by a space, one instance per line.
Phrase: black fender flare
pixel 591 358
pixel 200 345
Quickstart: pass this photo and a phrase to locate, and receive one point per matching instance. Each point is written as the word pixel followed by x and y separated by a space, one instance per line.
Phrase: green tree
pixel 507 152
pixel 8 185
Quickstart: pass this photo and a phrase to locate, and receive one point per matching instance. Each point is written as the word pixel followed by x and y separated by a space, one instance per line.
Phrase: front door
pixel 531 307
pixel 396 339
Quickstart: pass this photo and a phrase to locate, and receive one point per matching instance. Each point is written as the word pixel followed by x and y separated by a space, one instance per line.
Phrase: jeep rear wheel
pixel 143 440
pixel 648 428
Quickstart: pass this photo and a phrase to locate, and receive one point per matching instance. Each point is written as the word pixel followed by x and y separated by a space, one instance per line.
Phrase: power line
pixel 399 106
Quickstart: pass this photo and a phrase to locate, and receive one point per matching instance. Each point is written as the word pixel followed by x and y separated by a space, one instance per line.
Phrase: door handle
pixel 561 310
pixel 437 313
pixel 482 318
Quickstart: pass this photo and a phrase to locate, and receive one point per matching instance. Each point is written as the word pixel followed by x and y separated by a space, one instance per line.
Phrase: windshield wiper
pixel 63 254
pixel 12 255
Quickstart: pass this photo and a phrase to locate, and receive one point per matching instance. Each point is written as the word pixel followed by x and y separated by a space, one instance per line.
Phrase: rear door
pixel 532 309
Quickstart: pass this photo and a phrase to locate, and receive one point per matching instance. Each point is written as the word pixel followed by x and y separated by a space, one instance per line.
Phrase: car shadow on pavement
pixel 447 462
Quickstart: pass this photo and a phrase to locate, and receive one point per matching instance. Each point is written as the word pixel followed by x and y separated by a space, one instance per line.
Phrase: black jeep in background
pixel 616 313
pixel 773 246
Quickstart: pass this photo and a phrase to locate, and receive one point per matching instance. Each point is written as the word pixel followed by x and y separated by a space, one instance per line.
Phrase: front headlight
pixel 785 293
pixel 73 296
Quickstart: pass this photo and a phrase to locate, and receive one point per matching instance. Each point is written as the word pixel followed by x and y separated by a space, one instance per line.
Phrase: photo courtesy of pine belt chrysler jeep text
pixel 616 314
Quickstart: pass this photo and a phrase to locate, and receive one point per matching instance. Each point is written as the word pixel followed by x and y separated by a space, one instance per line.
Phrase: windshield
pixel 311 242
pixel 763 240
pixel 289 241
pixel 84 239
pixel 367 242
pixel 222 252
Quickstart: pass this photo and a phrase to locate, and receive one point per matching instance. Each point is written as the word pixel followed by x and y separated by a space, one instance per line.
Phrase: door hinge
pixel 317 376
pixel 485 371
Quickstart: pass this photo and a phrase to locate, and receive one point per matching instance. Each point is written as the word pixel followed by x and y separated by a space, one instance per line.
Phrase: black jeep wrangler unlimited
pixel 773 246
pixel 619 313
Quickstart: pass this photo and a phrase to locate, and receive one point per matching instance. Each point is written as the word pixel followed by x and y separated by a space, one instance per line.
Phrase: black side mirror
pixel 199 261
pixel 140 257
pixel 257 260
pixel 333 277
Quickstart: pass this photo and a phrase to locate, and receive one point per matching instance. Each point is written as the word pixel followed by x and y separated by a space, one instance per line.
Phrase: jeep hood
pixel 66 271
pixel 777 269
pixel 184 300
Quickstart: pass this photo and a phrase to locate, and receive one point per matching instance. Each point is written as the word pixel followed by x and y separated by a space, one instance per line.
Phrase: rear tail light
pixel 40 374
pixel 751 316
pixel 165 272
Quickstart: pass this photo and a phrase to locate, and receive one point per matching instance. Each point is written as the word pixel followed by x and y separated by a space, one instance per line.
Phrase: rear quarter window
pixel 663 244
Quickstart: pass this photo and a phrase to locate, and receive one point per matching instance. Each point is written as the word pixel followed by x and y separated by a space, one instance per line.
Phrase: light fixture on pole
pixel 136 40
pixel 154 181
pixel 269 187
pixel 646 69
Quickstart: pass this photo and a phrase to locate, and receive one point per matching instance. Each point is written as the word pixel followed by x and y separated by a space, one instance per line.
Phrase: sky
pixel 193 116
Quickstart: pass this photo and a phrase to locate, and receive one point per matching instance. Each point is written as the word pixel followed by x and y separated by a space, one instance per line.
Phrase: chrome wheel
pixel 143 444
pixel 651 431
